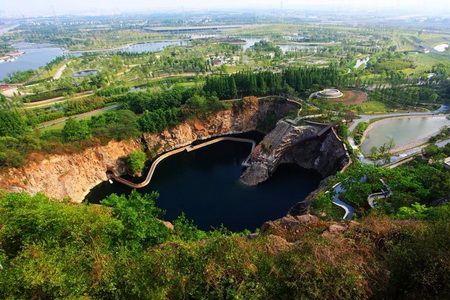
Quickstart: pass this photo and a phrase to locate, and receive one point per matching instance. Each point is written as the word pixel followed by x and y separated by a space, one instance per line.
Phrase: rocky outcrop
pixel 292 228
pixel 67 175
pixel 243 116
pixel 296 144
pixel 73 175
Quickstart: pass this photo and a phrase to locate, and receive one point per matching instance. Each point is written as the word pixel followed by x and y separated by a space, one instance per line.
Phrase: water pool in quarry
pixel 204 184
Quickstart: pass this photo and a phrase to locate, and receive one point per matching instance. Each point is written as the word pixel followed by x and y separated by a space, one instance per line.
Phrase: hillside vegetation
pixel 122 250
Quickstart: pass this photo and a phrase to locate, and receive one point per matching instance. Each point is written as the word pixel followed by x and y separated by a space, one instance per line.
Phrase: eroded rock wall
pixel 296 144
pixel 74 175
pixel 241 117
pixel 66 175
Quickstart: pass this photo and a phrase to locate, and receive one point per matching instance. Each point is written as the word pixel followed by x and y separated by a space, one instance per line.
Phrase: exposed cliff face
pixel 242 117
pixel 296 144
pixel 67 175
pixel 74 175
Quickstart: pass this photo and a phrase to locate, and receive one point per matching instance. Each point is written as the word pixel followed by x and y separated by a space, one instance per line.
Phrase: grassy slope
pixel 51 249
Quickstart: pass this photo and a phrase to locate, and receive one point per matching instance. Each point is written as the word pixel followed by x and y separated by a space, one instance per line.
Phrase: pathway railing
pixel 148 178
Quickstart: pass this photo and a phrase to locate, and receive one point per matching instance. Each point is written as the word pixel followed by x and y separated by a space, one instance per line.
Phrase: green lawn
pixel 373 107
pixel 425 61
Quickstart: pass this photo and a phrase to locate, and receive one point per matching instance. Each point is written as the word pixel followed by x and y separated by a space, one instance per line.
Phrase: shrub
pixel 118 125
pixel 416 211
pixel 136 161
pixel 419 264
pixel 11 123
pixel 139 216
pixel 75 131
pixel 359 132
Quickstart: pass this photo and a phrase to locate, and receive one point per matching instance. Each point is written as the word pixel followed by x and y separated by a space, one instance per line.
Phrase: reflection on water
pixel 403 131
pixel 204 184
pixel 152 46
pixel 36 55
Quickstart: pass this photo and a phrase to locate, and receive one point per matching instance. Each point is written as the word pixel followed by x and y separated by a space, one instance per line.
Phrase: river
pixel 36 55
pixel 404 131
pixel 204 184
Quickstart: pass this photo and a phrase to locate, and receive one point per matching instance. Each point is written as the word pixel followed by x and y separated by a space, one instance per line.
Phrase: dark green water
pixel 204 184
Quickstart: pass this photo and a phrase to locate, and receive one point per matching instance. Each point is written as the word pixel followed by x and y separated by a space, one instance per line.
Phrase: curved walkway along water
pixel 385 193
pixel 176 151
pixel 349 210
pixel 338 189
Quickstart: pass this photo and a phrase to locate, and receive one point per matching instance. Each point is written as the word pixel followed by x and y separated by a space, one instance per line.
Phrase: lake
pixel 404 131
pixel 152 46
pixel 36 55
pixel 204 184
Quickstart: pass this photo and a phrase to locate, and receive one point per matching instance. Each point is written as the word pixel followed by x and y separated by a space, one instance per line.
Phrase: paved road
pixel 56 100
pixel 385 193
pixel 408 155
pixel 349 210
pixel 80 116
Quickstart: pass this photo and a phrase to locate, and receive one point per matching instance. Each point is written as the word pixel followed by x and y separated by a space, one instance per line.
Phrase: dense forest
pixel 301 80
pixel 404 96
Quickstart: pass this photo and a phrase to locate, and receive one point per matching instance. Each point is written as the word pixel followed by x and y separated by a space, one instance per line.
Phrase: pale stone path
pixel 349 210
pixel 176 151
pixel 385 193
pixel 79 116
pixel 59 72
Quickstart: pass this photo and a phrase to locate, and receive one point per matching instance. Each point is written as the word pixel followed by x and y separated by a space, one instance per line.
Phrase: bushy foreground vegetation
pixel 122 250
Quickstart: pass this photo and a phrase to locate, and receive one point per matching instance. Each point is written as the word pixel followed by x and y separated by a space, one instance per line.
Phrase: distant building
pixel 328 94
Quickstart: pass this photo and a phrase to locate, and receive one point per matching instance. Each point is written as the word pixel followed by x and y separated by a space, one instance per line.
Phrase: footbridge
pixel 190 148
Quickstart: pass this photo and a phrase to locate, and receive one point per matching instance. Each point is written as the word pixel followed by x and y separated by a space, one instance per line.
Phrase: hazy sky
pixel 57 7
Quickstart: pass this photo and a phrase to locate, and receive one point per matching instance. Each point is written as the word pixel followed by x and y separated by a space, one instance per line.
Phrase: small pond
pixel 85 73
pixel 204 184
pixel 403 131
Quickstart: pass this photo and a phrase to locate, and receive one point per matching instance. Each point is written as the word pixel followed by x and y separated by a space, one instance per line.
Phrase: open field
pixel 351 97
pixel 373 107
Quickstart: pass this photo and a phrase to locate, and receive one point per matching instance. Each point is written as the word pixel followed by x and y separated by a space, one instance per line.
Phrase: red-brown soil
pixel 352 97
